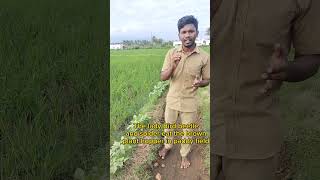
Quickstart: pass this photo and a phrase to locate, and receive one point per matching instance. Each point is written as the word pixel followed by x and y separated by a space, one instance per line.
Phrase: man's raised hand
pixel 175 60
pixel 276 72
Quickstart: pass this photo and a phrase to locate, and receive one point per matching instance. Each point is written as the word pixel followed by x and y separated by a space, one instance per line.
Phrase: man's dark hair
pixel 187 20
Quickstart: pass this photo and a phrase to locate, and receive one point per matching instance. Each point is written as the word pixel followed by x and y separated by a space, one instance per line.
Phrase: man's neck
pixel 188 49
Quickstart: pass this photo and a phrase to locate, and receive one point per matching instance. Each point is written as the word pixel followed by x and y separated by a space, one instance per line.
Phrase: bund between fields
pixel 145 163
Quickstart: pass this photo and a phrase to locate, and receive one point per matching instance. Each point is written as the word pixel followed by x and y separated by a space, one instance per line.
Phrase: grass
pixel 300 113
pixel 204 97
pixel 133 75
pixel 127 68
pixel 300 104
pixel 144 171
pixel 53 87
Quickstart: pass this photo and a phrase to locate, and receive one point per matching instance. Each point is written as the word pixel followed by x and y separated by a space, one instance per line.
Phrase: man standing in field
pixel 187 67
pixel 251 45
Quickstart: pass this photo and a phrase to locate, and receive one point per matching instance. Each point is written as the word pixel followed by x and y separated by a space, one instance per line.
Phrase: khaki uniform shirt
pixel 246 124
pixel 180 96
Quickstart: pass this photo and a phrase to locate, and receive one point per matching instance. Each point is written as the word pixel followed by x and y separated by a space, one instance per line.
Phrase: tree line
pixel 145 44
pixel 153 43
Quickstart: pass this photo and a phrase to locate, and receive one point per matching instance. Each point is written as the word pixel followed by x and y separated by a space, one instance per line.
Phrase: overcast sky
pixel 141 19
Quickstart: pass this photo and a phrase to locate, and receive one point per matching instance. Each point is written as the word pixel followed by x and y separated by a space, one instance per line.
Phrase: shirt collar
pixel 196 49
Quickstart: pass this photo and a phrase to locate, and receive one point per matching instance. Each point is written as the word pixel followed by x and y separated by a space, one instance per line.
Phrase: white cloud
pixel 143 17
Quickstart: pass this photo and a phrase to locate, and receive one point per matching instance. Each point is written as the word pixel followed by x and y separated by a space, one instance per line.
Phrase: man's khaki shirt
pixel 196 63
pixel 246 124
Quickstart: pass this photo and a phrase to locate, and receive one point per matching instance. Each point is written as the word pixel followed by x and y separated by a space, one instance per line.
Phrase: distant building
pixel 116 46
pixel 207 42
pixel 176 43
pixel 198 42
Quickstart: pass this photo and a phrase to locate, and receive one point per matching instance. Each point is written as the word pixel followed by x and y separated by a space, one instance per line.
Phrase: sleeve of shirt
pixel 166 63
pixel 206 69
pixel 306 28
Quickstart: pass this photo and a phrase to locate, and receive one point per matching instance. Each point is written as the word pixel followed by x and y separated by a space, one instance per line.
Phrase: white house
pixel 116 46
pixel 198 42
pixel 176 43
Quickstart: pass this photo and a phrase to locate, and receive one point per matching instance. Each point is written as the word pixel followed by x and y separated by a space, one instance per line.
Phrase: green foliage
pixel 133 74
pixel 159 89
pixel 138 119
pixel 204 97
pixel 299 106
pixel 145 44
pixel 52 87
pixel 132 78
pixel 120 153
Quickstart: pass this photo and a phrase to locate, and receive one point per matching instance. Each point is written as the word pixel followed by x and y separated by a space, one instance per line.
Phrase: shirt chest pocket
pixel 193 68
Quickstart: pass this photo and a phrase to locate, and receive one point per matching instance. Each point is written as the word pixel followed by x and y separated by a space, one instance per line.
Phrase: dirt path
pixel 171 169
pixel 140 156
pixel 172 162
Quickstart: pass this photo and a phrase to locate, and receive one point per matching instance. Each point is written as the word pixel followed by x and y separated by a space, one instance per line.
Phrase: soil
pixel 172 161
pixel 140 155
pixel 172 169
pixel 169 168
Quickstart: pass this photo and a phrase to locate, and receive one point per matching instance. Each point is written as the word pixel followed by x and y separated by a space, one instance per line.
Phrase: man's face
pixel 188 35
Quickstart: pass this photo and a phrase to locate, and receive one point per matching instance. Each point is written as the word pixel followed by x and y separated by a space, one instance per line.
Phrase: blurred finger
pixel 267 86
pixel 278 51
pixel 277 68
pixel 194 88
pixel 277 76
pixel 265 76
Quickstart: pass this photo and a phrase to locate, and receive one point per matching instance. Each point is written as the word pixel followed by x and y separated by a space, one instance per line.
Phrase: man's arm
pixel 201 83
pixel 166 74
pixel 302 68
pixel 306 41
pixel 204 83
pixel 205 80
pixel 172 64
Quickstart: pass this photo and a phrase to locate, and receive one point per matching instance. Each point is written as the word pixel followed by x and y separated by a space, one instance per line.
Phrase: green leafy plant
pixel 119 153
pixel 138 119
pixel 159 88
